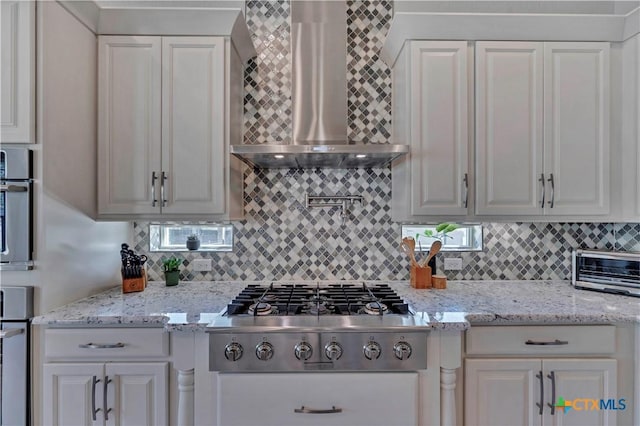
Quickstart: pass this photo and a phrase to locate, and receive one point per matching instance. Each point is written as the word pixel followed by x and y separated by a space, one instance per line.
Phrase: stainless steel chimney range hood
pixel 319 98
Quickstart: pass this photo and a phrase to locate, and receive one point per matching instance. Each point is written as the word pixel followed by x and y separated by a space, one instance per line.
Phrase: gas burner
pixel 261 308
pixel 373 308
pixel 319 309
pixel 269 298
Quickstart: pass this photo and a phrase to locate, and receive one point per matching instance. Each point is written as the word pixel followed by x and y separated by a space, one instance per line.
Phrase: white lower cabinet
pixel 105 393
pixel 518 375
pixel 318 399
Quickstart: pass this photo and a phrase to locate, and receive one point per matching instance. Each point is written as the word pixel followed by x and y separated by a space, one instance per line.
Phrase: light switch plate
pixel 201 265
pixel 452 263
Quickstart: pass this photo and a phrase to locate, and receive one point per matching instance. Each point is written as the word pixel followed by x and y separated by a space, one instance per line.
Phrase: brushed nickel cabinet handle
pixel 540 404
pixel 102 345
pixel 306 410
pixel 553 191
pixel 107 380
pixel 163 180
pixel 541 180
pixel 552 376
pixel 94 410
pixel 547 343
pixel 154 200
pixel 466 190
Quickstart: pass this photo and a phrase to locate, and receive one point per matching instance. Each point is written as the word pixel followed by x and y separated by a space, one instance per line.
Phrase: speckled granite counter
pixel 192 305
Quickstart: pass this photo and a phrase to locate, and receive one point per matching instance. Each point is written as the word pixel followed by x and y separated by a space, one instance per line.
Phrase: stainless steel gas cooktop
pixel 335 327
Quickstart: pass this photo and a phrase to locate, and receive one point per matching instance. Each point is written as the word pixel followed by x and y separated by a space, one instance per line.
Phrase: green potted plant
pixel 193 242
pixel 171 267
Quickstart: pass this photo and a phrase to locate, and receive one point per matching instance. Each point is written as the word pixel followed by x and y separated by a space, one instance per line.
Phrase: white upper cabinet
pixel 193 139
pixel 431 115
pixel 509 138
pixel 129 124
pixel 576 138
pixel 168 110
pixel 17 74
pixel 542 128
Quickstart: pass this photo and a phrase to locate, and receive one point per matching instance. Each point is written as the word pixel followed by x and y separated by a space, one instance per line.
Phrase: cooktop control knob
pixel 333 351
pixel 372 350
pixel 233 351
pixel 303 351
pixel 264 351
pixel 402 350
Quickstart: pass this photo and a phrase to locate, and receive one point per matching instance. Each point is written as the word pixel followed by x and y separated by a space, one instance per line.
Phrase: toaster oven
pixel 608 271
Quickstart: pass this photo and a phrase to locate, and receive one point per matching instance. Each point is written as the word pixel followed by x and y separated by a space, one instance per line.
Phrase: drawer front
pixel 106 344
pixel 541 340
pixel 322 399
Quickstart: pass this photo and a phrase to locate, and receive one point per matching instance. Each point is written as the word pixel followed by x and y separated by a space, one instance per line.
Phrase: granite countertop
pixel 193 305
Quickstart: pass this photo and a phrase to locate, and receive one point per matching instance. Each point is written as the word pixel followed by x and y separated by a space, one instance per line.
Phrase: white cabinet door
pixel 17 71
pixel 502 392
pixel 193 132
pixel 576 140
pixel 520 391
pixel 350 399
pixel 117 394
pixel 129 113
pixel 439 128
pixel 577 380
pixel 137 394
pixel 70 394
pixel 509 128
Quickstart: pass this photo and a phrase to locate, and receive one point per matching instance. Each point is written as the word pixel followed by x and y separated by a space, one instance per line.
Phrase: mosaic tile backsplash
pixel 281 240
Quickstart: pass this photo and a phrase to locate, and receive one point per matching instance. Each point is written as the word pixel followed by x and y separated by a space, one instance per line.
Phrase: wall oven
pixel 16 310
pixel 16 200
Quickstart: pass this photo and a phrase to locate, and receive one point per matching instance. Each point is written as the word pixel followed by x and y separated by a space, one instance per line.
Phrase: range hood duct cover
pixel 319 98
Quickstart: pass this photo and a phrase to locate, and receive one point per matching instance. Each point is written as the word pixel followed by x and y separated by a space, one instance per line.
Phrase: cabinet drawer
pixel 322 399
pixel 107 344
pixel 541 340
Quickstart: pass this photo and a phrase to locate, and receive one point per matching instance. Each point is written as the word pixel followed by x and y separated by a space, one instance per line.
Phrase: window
pixel 173 237
pixel 454 237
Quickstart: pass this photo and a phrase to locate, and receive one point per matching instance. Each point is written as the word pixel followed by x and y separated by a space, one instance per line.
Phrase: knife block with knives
pixel 134 275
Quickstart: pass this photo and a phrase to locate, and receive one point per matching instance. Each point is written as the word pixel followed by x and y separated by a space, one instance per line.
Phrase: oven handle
pixel 305 410
pixel 13 188
pixel 5 334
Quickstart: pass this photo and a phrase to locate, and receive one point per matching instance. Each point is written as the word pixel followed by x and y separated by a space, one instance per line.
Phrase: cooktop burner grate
pixel 309 299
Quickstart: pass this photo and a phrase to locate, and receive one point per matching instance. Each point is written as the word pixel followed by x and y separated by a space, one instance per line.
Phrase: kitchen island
pixel 170 322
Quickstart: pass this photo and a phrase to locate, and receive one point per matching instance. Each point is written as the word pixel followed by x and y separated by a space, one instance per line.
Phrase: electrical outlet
pixel 201 265
pixel 452 263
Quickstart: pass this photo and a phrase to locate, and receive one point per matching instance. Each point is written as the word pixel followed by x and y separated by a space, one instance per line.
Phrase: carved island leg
pixel 448 396
pixel 185 397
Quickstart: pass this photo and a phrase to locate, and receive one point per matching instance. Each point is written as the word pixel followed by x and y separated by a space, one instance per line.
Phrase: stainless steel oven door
pixel 14 373
pixel 15 223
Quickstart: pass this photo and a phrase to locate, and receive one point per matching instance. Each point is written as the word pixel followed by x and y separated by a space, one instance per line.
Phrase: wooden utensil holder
pixel 420 277
pixel 130 285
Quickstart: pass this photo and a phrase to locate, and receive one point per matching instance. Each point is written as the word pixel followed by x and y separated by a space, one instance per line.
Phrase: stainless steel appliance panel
pixel 16 309
pixel 15 208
